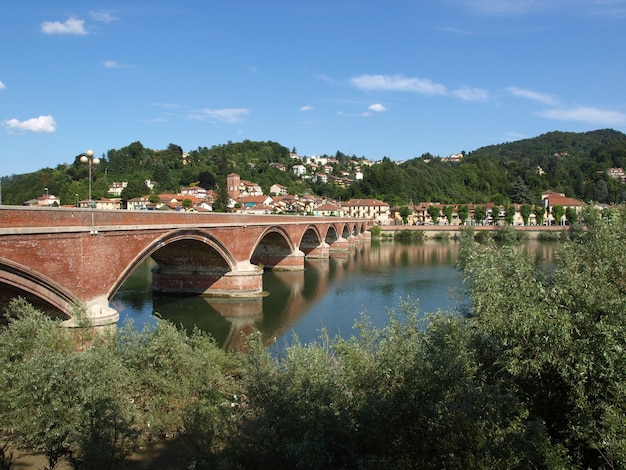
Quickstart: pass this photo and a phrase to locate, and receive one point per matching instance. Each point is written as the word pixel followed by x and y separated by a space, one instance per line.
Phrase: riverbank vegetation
pixel 530 375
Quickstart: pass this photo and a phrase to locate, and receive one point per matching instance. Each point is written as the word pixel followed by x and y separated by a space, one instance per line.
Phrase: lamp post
pixel 90 160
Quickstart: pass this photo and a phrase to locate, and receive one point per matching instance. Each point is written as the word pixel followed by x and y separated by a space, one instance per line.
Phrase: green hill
pixel 513 172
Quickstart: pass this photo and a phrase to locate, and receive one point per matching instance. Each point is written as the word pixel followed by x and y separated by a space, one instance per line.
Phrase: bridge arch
pixel 42 287
pixel 275 249
pixel 311 240
pixel 332 235
pixel 187 262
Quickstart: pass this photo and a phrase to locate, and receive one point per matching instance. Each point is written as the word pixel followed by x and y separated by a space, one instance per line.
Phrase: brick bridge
pixel 73 256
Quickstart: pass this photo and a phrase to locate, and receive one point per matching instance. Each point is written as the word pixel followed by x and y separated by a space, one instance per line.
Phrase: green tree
pixel 509 214
pixel 463 212
pixel 540 213
pixel 206 180
pixel 405 212
pixel 84 408
pixel 135 188
pixel 571 215
pixel 562 353
pixel 558 212
pixel 222 200
pixel 370 402
pixel 448 211
pixel 525 211
pixel 480 214
pixel 434 212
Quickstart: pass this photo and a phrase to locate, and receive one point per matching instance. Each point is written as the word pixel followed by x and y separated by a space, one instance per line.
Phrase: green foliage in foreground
pixel 532 377
pixel 558 342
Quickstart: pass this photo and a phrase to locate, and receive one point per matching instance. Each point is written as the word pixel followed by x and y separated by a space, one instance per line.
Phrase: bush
pixel 409 236
pixel 558 341
pixel 375 230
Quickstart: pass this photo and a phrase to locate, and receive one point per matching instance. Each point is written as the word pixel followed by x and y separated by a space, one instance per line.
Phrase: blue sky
pixel 374 78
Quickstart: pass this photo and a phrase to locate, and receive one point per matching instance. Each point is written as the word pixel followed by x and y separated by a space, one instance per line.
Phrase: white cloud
pixel 423 86
pixel 112 64
pixel 230 115
pixel 2 85
pixel 532 95
pixel 363 114
pixel 103 16
pixel 307 108
pixel 502 7
pixel 379 108
pixel 45 124
pixel 609 8
pixel 586 114
pixel 467 93
pixel 70 26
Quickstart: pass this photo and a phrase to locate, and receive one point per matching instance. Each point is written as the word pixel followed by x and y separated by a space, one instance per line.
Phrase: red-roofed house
pixel 549 199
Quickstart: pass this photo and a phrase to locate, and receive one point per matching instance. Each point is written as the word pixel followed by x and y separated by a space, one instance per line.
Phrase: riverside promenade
pixel 438 231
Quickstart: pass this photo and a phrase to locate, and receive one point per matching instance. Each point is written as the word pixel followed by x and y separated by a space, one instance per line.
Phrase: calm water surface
pixel 328 294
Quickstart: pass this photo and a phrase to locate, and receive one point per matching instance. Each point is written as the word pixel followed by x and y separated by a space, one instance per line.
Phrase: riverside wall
pixel 438 231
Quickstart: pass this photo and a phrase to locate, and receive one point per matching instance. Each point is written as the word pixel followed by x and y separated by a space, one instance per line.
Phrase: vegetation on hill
pixel 531 377
pixel 517 172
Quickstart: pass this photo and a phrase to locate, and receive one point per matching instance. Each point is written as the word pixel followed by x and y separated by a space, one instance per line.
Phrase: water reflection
pixel 329 294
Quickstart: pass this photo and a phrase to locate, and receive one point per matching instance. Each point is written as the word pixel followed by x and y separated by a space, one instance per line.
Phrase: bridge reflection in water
pixel 329 293
pixel 288 296
pixel 375 276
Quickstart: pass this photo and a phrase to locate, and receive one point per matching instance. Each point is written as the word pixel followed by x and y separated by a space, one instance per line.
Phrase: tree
pixel 206 180
pixel 305 405
pixel 562 352
pixel 495 214
pixel 84 408
pixel 509 214
pixel 571 215
pixel 602 191
pixel 525 211
pixel 539 212
pixel 135 188
pixel 558 212
pixel 463 213
pixel 520 193
pixel 405 212
pixel 480 214
pixel 220 204
pixel 434 212
pixel 448 211
pixel 187 203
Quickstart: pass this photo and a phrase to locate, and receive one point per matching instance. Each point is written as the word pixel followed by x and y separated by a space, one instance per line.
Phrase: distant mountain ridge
pixel 553 144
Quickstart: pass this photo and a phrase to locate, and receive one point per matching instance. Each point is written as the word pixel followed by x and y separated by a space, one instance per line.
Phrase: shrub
pixel 409 236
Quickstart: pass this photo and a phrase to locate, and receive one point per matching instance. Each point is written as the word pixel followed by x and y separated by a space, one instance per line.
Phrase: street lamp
pixel 88 158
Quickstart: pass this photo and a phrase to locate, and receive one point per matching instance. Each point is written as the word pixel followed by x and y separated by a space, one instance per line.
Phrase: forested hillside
pixel 515 172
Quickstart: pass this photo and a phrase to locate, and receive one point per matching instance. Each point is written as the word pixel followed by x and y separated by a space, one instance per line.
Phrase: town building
pixel 367 209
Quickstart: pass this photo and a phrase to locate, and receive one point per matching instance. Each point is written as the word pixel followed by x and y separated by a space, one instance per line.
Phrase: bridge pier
pixel 246 280
pixel 341 244
pixel 98 313
pixel 321 252
pixel 278 262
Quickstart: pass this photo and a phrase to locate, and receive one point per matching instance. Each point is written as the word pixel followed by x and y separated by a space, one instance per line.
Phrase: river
pixel 329 294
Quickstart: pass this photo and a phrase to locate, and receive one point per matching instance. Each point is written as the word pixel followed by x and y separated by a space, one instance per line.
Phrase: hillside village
pixel 248 197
